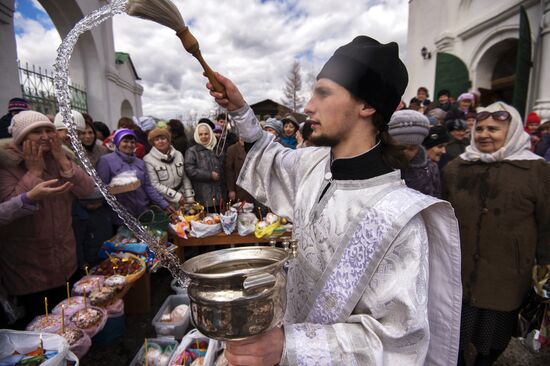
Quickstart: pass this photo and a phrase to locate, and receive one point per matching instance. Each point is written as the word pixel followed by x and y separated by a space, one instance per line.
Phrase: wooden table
pixel 219 239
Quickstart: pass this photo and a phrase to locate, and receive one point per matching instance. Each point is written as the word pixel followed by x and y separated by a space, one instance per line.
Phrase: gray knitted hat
pixel 408 127
pixel 274 124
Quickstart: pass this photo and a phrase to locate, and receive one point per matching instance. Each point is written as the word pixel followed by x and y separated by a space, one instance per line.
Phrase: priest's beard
pixel 323 140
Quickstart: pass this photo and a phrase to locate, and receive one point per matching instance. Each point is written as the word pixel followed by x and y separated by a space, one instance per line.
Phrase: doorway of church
pixel 503 77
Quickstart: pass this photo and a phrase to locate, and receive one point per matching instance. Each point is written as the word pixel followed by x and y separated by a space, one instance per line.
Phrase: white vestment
pixel 377 277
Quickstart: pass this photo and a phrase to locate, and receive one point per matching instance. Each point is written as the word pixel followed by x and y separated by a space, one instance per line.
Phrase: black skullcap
pixel 436 136
pixel 371 71
pixel 208 122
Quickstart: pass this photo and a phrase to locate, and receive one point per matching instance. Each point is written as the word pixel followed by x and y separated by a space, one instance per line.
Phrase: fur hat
pixel 26 121
pixel 274 124
pixel 156 132
pixel 370 71
pixel 436 136
pixel 122 133
pixel 408 127
pixel 456 124
pixel 17 104
pixel 78 119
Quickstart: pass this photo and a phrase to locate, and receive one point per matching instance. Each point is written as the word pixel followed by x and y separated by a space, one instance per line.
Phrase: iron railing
pixel 38 89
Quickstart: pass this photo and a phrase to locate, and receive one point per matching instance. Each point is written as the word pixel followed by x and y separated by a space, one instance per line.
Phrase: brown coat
pixel 503 210
pixel 38 251
pixel 234 161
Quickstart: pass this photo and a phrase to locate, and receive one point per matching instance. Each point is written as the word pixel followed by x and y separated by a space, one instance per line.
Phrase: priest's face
pixel 333 113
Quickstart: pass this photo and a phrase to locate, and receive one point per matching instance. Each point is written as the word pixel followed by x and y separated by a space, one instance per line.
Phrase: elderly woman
pixel 204 168
pixel 38 251
pixel 501 195
pixel 123 159
pixel 166 170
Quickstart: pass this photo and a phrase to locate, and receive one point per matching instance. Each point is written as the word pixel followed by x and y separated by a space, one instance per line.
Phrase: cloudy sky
pixel 254 42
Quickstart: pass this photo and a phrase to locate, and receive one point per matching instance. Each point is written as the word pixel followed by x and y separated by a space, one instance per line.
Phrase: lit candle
pixel 68 295
pixel 260 213
pixel 63 318
pixel 146 358
pixel 46 307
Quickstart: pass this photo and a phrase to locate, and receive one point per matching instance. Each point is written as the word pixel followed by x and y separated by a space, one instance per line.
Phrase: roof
pixel 122 57
pixel 272 108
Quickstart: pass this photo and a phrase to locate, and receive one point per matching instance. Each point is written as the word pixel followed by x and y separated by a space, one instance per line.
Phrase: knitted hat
pixel 78 119
pixel 456 124
pixel 370 71
pixel 408 127
pixel 437 113
pixel 465 96
pixel 26 121
pixel 17 104
pixel 154 133
pixel 122 133
pixel 274 124
pixel 533 118
pixel 436 136
pixel 290 118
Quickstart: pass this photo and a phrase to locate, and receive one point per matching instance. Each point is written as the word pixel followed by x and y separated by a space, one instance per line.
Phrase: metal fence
pixel 38 89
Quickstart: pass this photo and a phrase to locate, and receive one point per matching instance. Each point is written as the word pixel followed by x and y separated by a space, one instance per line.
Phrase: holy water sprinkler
pixel 166 13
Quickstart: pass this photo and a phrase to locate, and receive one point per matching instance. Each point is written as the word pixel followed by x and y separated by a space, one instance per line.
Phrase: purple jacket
pixel 15 208
pixel 138 201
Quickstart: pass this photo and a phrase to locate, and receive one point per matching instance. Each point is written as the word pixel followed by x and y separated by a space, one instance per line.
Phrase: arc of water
pixel 61 67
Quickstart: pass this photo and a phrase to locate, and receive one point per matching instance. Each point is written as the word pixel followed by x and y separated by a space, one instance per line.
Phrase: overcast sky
pixel 254 42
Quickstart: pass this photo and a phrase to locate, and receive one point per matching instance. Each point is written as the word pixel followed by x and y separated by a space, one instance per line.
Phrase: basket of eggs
pixel 208 226
pixel 125 264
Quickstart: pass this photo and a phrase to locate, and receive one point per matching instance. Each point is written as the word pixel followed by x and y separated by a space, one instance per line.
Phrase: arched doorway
pixel 126 109
pixel 496 72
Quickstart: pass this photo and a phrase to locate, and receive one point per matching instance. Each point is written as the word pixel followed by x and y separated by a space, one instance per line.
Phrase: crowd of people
pixel 485 161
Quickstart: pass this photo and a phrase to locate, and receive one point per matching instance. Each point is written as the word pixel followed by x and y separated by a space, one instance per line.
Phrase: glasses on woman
pixel 497 116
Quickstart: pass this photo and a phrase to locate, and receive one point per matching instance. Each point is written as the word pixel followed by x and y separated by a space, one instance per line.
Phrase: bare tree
pixel 293 87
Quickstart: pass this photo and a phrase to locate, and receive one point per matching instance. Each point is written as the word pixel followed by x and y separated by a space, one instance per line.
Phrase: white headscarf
pixel 210 145
pixel 516 145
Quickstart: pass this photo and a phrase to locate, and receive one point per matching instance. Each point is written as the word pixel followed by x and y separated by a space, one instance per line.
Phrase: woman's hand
pixel 232 195
pixel 215 176
pixel 48 189
pixel 34 158
pixel 59 155
pixel 232 99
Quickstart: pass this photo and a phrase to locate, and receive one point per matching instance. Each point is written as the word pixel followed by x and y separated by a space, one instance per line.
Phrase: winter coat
pixel 288 141
pixel 543 146
pixel 139 200
pixel 503 210
pixel 97 151
pixel 38 251
pixel 199 165
pixel 234 161
pixel 5 122
pixel 180 143
pixel 455 148
pixel 169 178
pixel 422 174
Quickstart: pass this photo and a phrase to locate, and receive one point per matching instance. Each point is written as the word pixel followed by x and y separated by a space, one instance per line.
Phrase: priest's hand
pixel 232 99
pixel 263 350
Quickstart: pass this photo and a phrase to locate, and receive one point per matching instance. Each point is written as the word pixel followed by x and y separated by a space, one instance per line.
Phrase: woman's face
pixel 435 152
pixel 127 145
pixel 271 131
pixel 490 135
pixel 204 135
pixel 42 136
pixel 411 151
pixel 161 143
pixel 421 95
pixel 289 129
pixel 465 103
pixel 87 137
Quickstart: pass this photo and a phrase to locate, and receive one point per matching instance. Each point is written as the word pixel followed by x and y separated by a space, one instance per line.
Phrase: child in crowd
pixel 274 127
pixel 290 127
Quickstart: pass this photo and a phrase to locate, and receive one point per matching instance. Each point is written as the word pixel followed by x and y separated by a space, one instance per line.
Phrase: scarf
pixel 516 146
pixel 210 145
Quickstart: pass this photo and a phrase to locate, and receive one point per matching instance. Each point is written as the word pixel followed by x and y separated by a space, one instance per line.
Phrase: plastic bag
pixel 24 342
pixel 81 346
pixel 77 303
pixel 200 230
pixel 229 221
pixel 246 223
pixel 51 324
pixel 180 228
pixel 87 283
pixel 189 341
pixel 115 309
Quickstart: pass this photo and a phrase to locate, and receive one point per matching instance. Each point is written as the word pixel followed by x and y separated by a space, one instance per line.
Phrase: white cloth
pixel 213 141
pixel 165 177
pixel 516 146
pixel 377 278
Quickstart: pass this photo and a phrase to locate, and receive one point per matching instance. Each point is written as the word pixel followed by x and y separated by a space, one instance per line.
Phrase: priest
pixel 377 277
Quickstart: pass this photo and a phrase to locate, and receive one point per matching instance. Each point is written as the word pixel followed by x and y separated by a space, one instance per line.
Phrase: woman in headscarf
pixel 501 195
pixel 88 137
pixel 123 159
pixel 204 168
pixel 166 169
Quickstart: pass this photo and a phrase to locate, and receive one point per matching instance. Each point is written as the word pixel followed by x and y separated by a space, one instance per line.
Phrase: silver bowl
pixel 237 293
